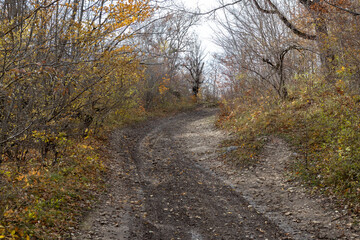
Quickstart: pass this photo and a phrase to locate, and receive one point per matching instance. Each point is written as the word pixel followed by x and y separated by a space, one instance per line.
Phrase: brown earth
pixel 168 182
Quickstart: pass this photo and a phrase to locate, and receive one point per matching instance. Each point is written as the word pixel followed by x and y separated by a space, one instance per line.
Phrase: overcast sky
pixel 204 31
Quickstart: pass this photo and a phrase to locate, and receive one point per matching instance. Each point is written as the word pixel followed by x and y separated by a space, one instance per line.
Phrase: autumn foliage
pixel 65 67
pixel 280 82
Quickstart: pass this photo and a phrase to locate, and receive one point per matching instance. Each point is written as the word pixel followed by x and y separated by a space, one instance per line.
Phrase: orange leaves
pixel 28 178
pixel 37 198
pixel 123 13
pixel 329 5
pixel 319 7
pixel 63 69
pixel 163 87
pixel 340 3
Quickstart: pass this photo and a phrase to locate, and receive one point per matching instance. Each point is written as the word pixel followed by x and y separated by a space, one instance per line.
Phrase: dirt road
pixel 165 185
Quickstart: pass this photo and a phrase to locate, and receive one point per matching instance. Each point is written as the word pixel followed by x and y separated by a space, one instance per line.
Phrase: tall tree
pixel 194 63
pixel 255 45
pixel 64 65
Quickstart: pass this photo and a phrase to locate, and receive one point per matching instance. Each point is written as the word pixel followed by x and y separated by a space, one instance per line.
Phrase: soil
pixel 168 181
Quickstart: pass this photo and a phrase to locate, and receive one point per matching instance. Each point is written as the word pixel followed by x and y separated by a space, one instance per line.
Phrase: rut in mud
pixel 164 185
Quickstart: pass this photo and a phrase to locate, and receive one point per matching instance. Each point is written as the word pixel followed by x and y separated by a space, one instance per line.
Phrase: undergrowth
pixel 45 196
pixel 42 200
pixel 128 116
pixel 319 119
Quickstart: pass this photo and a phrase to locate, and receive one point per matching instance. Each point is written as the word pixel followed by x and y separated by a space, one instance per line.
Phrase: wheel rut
pixel 183 200
pixel 167 183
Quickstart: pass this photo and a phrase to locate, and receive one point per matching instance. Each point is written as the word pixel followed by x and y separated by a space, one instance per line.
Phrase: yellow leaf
pixel 2 236
pixel 8 213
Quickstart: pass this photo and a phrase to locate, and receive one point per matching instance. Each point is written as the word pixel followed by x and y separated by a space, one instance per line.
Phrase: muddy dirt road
pixel 164 185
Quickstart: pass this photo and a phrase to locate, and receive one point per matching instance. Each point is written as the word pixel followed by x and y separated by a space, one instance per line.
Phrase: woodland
pixel 71 71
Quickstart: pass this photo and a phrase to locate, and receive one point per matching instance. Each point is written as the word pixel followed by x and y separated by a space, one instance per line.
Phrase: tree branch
pixel 282 17
pixel 212 11
pixel 343 9
pixel 17 134
pixel 27 17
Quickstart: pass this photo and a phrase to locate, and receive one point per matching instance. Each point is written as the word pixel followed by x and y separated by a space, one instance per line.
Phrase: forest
pixel 72 71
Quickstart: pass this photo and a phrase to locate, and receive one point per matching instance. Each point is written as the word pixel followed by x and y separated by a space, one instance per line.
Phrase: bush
pixel 320 120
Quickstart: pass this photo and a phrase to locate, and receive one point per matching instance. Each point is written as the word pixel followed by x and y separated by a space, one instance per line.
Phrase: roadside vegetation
pixel 73 70
pixel 322 124
pixel 70 72
pixel 305 89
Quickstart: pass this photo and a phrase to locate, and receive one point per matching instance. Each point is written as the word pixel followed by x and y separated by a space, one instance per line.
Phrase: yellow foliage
pixel 163 87
pixel 319 119
pixel 62 65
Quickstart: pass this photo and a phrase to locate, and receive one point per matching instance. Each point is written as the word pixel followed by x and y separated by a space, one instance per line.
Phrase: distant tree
pixel 320 15
pixel 255 45
pixel 194 63
pixel 163 43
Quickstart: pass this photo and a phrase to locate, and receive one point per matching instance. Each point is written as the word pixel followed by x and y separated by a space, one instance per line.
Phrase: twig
pixel 17 134
pixel 343 9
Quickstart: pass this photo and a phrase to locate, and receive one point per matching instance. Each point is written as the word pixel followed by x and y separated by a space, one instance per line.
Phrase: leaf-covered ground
pixel 159 192
pixel 168 181
pixel 42 200
pixel 320 120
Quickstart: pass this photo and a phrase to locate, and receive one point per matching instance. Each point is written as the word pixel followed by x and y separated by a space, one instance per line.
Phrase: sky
pixel 205 29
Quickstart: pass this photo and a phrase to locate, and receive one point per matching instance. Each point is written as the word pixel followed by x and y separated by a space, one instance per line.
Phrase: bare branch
pixel 212 11
pixel 27 17
pixel 17 134
pixel 282 17
pixel 343 9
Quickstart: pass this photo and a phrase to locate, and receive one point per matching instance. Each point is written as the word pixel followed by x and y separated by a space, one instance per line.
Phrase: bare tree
pixel 320 13
pixel 163 43
pixel 194 63
pixel 255 45
pixel 214 77
pixel 57 59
